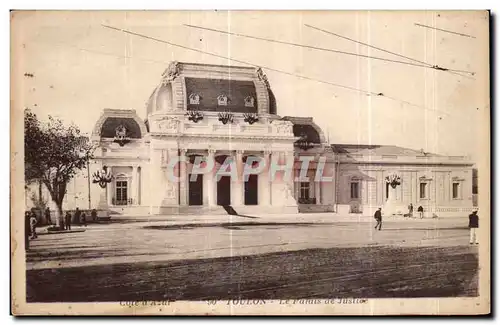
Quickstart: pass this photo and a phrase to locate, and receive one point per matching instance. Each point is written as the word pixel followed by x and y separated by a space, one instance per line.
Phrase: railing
pixel 303 200
pixel 128 201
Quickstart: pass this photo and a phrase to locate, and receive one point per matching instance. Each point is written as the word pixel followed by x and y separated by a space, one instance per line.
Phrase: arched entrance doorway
pixel 195 182
pixel 252 183
pixel 223 184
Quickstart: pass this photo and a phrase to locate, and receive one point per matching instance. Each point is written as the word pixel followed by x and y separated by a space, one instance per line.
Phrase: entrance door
pixel 121 193
pixel 224 191
pixel 251 190
pixel 196 190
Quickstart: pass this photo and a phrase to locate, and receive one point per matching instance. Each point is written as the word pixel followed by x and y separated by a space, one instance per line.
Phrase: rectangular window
pixel 121 193
pixel 354 190
pixel 305 188
pixel 456 190
pixel 423 190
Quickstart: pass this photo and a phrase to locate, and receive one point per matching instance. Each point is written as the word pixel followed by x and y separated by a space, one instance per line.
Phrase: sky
pixel 80 67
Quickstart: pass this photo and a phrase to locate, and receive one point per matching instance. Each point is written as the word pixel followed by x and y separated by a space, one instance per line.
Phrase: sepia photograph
pixel 231 162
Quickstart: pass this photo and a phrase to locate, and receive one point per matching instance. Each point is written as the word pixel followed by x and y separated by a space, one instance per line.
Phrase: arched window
pixel 194 99
pixel 249 101
pixel 222 100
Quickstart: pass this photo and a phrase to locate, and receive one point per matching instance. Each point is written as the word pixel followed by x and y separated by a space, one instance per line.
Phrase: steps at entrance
pixel 202 210
pixel 229 209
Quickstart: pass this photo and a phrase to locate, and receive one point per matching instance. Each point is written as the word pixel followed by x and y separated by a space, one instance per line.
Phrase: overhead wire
pixel 421 64
pixel 371 93
pixel 436 67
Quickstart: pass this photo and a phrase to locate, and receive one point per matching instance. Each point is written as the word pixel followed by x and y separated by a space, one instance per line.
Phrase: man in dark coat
pixel 78 215
pixel 67 221
pixel 47 216
pixel 27 229
pixel 420 211
pixel 83 220
pixel 473 225
pixel 378 217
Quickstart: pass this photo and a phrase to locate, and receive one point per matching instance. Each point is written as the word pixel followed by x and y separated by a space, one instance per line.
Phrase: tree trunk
pixel 59 215
pixel 39 190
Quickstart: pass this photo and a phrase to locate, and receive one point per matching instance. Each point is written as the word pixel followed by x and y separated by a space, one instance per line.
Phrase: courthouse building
pixel 214 112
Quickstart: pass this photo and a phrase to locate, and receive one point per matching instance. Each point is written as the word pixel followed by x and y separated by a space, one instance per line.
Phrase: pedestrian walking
pixel 47 216
pixel 410 210
pixel 420 211
pixel 33 223
pixel 27 229
pixel 378 217
pixel 473 225
pixel 67 221
pixel 83 220
pixel 93 214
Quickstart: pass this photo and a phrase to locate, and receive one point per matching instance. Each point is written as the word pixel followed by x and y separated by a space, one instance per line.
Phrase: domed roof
pixel 112 120
pixel 206 87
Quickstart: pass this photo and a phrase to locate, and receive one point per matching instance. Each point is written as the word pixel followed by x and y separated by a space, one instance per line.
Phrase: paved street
pixel 240 257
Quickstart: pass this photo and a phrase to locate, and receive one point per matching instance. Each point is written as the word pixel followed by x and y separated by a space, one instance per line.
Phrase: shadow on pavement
pixel 363 272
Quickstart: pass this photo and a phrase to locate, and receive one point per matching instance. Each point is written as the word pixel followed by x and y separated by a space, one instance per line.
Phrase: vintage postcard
pixel 250 162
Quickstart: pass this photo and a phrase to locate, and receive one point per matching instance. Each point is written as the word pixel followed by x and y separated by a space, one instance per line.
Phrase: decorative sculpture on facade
pixel 172 72
pixel 102 177
pixel 121 135
pixel 303 143
pixel 169 124
pixel 283 126
pixel 194 116
pixel 225 117
pixel 262 77
pixel 250 118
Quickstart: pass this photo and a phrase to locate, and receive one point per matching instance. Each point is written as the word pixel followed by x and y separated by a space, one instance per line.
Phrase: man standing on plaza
pixel 410 210
pixel 473 225
pixel 378 217
pixel 47 216
pixel 67 221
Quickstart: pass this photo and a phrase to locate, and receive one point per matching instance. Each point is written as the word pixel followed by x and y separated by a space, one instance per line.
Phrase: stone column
pixel 238 193
pixel 182 178
pixel 210 179
pixel 266 193
pixel 317 192
pixel 110 188
pixel 135 185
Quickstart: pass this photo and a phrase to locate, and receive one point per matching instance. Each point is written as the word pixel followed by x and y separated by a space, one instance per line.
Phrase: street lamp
pixel 102 177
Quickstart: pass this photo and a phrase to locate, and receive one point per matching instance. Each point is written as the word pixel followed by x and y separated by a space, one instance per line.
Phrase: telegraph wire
pixel 368 93
pixel 455 72
pixel 444 30
pixel 424 65
pixel 243 62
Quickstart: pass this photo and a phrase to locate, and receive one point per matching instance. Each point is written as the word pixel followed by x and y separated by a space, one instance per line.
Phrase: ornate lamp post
pixel 390 206
pixel 103 178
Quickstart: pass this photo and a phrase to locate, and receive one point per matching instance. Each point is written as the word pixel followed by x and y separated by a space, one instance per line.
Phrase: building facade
pixel 213 118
